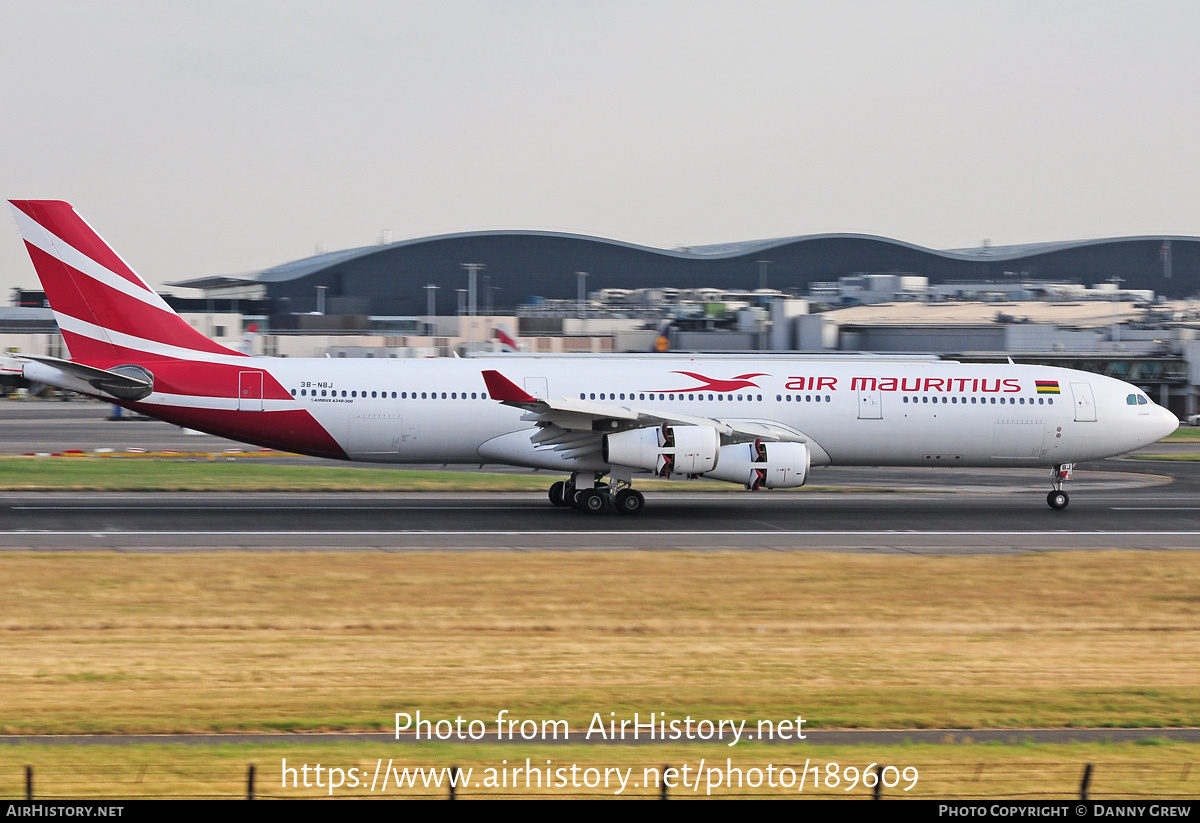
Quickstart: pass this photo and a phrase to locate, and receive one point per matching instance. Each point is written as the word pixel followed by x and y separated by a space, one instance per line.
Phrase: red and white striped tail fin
pixel 506 340
pixel 105 311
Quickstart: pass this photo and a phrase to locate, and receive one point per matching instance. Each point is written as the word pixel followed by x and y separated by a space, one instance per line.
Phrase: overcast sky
pixel 217 137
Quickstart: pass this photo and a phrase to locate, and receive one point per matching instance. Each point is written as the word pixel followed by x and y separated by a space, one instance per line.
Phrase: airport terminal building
pixel 390 279
pixel 886 295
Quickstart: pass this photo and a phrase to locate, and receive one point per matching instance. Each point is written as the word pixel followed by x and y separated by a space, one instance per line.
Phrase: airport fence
pixel 1047 781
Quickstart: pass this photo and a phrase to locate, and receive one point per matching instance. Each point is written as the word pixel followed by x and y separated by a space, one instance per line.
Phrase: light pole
pixel 1116 332
pixel 430 309
pixel 762 273
pixel 582 296
pixel 472 273
pixel 473 270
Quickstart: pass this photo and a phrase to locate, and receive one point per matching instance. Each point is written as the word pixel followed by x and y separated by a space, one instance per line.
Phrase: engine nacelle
pixel 664 450
pixel 126 392
pixel 760 465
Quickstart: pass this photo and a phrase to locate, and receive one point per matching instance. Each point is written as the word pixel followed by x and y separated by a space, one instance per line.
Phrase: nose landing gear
pixel 1058 499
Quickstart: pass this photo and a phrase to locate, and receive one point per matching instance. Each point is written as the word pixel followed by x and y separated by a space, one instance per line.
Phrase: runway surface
pixel 51 425
pixel 1151 505
pixel 1141 509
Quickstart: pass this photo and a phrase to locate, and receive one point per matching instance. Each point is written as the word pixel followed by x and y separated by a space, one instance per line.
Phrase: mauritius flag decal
pixel 1047 386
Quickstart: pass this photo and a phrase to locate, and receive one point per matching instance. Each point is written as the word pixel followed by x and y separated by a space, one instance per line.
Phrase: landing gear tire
pixel 558 494
pixel 630 501
pixel 1058 500
pixel 592 501
pixel 576 496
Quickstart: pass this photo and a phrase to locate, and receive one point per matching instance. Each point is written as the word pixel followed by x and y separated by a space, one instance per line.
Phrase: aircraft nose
pixel 1166 422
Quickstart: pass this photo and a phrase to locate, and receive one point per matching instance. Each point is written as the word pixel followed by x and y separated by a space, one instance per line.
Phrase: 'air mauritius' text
pixel 909 384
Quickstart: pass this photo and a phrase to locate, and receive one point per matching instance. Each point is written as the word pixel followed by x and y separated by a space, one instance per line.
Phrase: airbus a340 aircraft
pixel 762 423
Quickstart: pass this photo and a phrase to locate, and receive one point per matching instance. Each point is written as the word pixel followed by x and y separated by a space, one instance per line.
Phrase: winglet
pixel 505 390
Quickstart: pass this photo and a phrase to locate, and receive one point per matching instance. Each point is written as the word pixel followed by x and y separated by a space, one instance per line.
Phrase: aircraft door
pixel 250 391
pixel 537 387
pixel 870 406
pixel 1085 404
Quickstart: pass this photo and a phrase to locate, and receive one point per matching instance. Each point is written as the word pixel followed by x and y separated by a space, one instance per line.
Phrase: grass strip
pixel 341 641
pixel 87 474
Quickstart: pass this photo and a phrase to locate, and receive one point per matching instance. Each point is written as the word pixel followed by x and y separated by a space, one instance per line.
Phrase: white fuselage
pixel 852 412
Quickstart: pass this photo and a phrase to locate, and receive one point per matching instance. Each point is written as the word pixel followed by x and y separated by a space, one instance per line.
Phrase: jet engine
pixel 760 465
pixel 664 450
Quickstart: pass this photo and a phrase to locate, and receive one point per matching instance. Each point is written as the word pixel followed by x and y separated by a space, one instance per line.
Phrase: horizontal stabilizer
pixel 126 386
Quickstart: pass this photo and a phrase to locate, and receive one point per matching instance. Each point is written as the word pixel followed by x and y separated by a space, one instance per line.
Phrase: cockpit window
pixel 1131 400
pixel 1141 401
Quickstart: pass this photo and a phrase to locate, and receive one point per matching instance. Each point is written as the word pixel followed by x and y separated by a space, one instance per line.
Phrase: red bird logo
pixel 742 381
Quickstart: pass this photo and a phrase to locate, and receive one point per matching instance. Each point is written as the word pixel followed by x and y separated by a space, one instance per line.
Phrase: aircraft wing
pixel 576 427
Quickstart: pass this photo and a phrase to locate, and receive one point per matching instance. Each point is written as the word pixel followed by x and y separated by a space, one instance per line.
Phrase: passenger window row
pixel 983 401
pixel 668 396
pixel 1132 400
pixel 454 395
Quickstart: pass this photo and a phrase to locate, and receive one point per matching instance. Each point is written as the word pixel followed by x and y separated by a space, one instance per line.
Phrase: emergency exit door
pixel 869 405
pixel 1085 404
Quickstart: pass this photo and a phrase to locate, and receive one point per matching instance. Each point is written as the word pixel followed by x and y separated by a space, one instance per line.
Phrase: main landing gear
pixel 1058 499
pixel 597 497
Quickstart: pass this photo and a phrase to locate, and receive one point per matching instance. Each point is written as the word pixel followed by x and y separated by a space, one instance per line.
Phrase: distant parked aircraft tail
pixel 507 341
